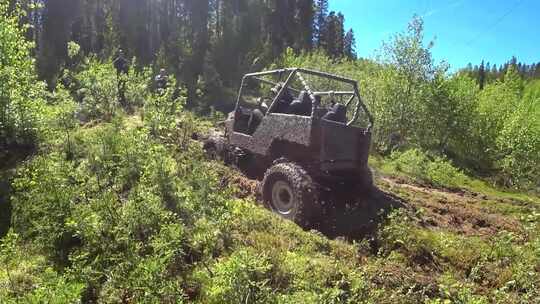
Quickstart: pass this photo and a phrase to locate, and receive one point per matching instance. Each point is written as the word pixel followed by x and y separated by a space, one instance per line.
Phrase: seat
pixel 302 105
pixel 283 103
pixel 337 113
pixel 255 120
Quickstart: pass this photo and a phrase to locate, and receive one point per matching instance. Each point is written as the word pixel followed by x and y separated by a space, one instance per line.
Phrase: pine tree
pixel 494 72
pixel 321 14
pixel 350 45
pixel 537 71
pixel 57 20
pixel 333 35
pixel 481 75
pixel 198 34
pixel 340 35
pixel 513 61
pixel 328 35
pixel 306 27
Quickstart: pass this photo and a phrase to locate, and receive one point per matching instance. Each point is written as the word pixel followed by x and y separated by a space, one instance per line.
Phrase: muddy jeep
pixel 305 133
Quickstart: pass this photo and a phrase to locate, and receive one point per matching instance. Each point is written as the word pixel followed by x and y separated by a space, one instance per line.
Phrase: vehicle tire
pixel 289 191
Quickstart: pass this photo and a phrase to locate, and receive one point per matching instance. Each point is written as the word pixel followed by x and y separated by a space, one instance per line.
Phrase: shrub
pixel 45 193
pixel 421 167
pixel 26 278
pixel 440 172
pixel 162 110
pixel 21 94
pixel 241 278
pixel 97 90
pixel 519 142
pixel 138 85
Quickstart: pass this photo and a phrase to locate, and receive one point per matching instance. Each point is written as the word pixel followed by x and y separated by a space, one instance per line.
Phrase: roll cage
pixel 290 74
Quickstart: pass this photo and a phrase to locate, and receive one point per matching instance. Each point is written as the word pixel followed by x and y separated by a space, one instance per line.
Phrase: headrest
pixel 339 109
pixel 304 97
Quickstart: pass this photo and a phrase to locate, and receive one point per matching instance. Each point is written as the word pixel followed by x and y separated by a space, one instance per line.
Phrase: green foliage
pixel 242 278
pixel 96 86
pixel 417 104
pixel 450 115
pixel 5 204
pixel 495 105
pixel 423 168
pixel 519 141
pixel 502 262
pixel 25 277
pixel 96 89
pixel 162 109
pixel 138 86
pixel 50 181
pixel 73 49
pixel 123 205
pixel 21 94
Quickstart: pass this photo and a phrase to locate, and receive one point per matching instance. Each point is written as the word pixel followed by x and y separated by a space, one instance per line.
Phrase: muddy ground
pixel 463 212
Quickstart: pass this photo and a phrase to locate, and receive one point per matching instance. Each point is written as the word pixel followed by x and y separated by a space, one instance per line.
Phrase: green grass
pixel 162 224
pixel 388 167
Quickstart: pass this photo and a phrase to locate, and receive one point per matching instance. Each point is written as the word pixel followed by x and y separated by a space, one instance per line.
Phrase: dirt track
pixel 461 212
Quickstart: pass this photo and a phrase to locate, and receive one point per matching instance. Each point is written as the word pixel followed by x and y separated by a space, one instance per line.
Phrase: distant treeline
pixel 207 43
pixel 486 73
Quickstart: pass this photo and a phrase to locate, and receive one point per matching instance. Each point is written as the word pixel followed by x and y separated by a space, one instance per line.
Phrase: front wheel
pixel 289 191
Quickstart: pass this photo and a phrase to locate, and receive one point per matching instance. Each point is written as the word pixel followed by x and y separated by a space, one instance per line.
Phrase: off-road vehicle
pixel 309 145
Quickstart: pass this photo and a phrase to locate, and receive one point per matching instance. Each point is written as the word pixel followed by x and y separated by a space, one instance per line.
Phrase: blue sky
pixel 464 30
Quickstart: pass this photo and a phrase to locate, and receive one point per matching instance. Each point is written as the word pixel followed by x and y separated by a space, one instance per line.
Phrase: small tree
pixel 349 45
pixel 21 95
pixel 519 143
pixel 409 71
pixel 495 106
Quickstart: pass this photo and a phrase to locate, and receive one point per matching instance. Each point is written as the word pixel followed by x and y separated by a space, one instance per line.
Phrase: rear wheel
pixel 289 191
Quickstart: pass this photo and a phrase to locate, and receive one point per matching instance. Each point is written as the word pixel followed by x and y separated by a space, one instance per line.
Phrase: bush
pixel 138 85
pixel 519 142
pixel 423 168
pixel 166 120
pixel 96 88
pixel 45 193
pixel 21 94
pixel 122 205
pixel 26 278
pixel 440 172
pixel 241 278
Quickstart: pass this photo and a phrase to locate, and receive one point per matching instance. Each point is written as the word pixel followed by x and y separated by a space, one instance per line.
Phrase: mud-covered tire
pixel 289 191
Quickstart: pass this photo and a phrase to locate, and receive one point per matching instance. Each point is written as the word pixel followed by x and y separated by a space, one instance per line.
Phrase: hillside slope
pixel 126 217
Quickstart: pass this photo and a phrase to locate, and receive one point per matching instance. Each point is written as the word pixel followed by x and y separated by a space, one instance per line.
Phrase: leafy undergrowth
pixel 130 217
pixel 128 210
pixel 417 167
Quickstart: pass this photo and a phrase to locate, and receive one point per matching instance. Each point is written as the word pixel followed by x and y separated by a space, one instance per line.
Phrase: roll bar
pixel 291 72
